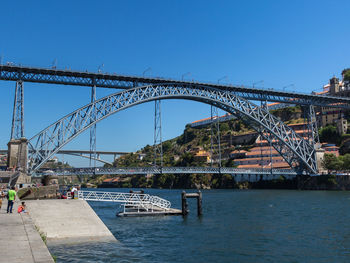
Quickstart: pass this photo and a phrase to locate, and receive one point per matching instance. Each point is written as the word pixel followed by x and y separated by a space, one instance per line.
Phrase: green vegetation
pixel 289 114
pixel 346 73
pixel 329 134
pixel 333 163
pixel 42 234
pixel 170 181
pixel 181 151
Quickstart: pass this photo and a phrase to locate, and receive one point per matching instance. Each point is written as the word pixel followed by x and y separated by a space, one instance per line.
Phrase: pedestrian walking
pixel 11 199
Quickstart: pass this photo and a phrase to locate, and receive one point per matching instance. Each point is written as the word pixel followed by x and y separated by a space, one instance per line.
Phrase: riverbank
pixel 225 181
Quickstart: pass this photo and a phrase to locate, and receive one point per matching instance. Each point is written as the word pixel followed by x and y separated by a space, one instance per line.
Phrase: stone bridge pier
pixel 17 159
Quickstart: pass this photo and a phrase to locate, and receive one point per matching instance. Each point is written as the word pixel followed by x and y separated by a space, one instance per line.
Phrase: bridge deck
pixel 78 78
pixel 166 170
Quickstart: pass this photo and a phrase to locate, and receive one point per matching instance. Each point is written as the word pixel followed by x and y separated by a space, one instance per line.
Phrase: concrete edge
pixel 38 248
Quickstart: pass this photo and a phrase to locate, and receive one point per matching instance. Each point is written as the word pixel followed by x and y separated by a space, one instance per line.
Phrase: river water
pixel 237 226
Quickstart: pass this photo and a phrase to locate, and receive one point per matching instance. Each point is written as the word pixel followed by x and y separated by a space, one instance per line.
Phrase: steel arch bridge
pixel 299 153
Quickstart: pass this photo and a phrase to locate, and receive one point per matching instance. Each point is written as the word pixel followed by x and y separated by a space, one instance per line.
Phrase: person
pixel 11 199
pixel 22 208
pixel 73 191
pixel 2 195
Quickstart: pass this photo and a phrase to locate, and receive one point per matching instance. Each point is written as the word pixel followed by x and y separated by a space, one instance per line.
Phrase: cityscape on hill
pixel 241 146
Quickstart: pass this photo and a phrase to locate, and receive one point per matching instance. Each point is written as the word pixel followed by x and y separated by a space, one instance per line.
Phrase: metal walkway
pixel 144 201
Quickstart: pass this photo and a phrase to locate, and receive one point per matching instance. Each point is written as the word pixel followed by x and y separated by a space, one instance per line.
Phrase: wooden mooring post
pixel 184 197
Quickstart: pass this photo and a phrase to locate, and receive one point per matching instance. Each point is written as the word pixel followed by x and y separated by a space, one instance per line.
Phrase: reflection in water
pixel 236 226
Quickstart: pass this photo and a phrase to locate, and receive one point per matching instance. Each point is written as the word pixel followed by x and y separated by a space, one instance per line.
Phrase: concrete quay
pixel 19 240
pixel 66 221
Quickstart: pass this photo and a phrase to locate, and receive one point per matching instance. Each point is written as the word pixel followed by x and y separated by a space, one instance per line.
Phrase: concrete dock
pixel 68 221
pixel 19 240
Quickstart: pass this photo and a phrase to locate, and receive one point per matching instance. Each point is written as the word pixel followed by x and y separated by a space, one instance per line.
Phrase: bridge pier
pixel 18 159
pixel 184 197
pixel 17 154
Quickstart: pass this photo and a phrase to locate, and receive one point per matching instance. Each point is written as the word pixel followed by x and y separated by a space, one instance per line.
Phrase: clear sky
pixel 280 42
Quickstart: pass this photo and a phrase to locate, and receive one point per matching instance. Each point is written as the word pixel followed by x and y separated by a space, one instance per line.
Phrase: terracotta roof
pixel 259 158
pixel 108 180
pixel 249 166
pixel 273 151
pixel 238 151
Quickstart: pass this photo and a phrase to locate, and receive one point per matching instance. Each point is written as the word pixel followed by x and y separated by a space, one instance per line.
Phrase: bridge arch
pixel 298 152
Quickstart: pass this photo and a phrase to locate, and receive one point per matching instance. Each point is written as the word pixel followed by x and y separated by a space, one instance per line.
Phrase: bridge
pixel 298 152
pixel 95 155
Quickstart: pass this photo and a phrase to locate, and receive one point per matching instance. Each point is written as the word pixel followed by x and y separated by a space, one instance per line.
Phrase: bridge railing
pixel 167 170
pixel 144 200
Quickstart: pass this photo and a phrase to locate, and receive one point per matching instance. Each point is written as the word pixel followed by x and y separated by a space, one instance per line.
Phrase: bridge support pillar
pixel 17 154
pixel 184 197
pixel 17 159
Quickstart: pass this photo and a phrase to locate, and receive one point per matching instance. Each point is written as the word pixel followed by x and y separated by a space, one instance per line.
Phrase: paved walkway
pixel 19 240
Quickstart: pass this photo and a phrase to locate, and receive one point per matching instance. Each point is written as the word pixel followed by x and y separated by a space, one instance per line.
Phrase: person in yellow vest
pixel 11 199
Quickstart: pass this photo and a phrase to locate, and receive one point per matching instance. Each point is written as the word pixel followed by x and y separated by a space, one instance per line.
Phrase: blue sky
pixel 281 42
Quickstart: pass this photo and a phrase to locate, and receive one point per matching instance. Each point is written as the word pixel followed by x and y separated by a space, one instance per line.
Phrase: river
pixel 236 226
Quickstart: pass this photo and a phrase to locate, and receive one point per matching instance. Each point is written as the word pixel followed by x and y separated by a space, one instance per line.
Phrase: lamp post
pixel 147 69
pixel 100 68
pixel 224 77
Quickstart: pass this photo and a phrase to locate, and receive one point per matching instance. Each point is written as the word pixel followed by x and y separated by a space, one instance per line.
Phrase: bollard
pixel 199 203
pixel 184 203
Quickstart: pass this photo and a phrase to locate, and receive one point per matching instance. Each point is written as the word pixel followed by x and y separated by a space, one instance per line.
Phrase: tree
pixel 331 162
pixel 329 134
pixel 346 73
pixel 328 161
pixel 345 159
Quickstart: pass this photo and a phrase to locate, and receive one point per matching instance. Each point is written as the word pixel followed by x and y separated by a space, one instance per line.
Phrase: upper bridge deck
pixel 12 72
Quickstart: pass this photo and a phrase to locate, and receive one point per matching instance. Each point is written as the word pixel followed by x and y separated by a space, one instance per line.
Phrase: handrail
pixel 125 198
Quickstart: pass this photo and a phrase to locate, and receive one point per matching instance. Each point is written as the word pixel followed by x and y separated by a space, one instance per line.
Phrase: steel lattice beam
pixel 17 130
pixel 295 150
pixel 157 145
pixel 167 170
pixel 77 78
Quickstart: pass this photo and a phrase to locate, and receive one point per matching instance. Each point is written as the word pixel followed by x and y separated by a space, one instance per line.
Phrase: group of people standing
pixel 11 197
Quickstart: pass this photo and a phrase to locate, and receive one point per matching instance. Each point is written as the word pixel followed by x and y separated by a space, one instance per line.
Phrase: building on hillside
pixel 334 116
pixel 201 155
pixel 262 155
pixel 331 149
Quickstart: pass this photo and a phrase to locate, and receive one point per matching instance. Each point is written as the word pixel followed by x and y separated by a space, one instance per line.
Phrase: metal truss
pixel 294 149
pixel 166 170
pixel 78 78
pixel 157 145
pixel 97 158
pixel 312 126
pixel 17 130
pixel 215 145
pixel 93 129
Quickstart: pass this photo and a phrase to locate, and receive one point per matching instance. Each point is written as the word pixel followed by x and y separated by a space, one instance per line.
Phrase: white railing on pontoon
pixel 144 200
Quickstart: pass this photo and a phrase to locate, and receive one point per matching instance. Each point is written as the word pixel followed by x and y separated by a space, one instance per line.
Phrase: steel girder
pixel 157 143
pixel 168 170
pixel 78 78
pixel 97 158
pixel 17 130
pixel 294 149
